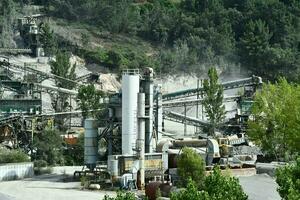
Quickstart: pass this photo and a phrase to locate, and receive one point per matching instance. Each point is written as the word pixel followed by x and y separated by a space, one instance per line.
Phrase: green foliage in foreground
pixel 276 120
pixel 217 187
pixel 288 179
pixel 191 166
pixel 13 156
pixel 190 193
pixel 121 196
pixel 221 187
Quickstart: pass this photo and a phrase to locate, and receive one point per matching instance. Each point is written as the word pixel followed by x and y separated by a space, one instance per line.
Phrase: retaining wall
pixel 13 171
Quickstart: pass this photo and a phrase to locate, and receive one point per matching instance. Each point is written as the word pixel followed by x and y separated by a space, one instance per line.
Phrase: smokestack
pixel 141 137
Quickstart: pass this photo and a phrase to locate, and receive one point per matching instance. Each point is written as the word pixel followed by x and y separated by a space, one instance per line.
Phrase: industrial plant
pixel 129 146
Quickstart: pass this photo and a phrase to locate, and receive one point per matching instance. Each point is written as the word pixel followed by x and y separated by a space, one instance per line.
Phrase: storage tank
pixel 130 90
pixel 90 143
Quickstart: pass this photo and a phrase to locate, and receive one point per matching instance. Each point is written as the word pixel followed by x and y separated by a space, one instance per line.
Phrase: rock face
pixel 108 83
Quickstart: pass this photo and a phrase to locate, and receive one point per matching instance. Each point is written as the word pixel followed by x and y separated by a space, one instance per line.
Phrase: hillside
pixel 182 36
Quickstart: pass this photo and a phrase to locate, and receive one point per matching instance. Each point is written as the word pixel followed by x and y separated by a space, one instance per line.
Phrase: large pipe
pixel 158 114
pixel 141 137
pixel 59 89
pixel 148 89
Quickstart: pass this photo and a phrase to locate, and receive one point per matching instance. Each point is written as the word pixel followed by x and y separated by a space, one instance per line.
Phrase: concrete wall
pixel 13 171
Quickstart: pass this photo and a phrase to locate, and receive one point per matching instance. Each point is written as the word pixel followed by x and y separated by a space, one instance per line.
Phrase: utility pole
pixel 202 111
pixel 197 107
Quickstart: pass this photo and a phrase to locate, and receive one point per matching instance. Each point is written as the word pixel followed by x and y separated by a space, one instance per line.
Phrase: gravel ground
pixel 50 187
pixel 47 187
pixel 260 186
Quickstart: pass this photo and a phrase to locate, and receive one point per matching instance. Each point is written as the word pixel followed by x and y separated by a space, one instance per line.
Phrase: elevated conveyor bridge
pixel 255 80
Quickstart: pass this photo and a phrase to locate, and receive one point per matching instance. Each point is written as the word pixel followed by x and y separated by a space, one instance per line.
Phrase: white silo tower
pixel 130 90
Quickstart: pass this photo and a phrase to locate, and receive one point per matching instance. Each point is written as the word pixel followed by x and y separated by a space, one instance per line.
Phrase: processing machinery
pixel 136 147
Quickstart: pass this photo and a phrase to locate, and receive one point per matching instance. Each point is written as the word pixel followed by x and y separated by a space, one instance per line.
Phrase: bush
pixel 121 196
pixel 220 186
pixel 41 167
pixel 191 166
pixel 40 163
pixel 216 187
pixel 288 179
pixel 13 156
pixel 190 193
pixel 43 170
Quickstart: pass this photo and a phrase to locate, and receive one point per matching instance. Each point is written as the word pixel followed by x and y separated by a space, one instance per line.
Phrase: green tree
pixel 191 166
pixel 48 40
pixel 213 99
pixel 275 126
pixel 288 179
pixel 190 193
pixel 220 186
pixel 89 100
pixel 254 44
pixel 48 146
pixel 60 101
pixel 8 11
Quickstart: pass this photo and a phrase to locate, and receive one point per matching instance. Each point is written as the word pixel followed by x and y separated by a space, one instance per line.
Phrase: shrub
pixel 190 193
pixel 220 186
pixel 43 170
pixel 48 145
pixel 288 179
pixel 40 163
pixel 121 196
pixel 13 156
pixel 191 166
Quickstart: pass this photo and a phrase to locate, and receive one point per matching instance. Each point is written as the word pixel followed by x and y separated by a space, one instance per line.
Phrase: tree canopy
pixel 89 100
pixel 275 125
pixel 263 36
pixel 288 180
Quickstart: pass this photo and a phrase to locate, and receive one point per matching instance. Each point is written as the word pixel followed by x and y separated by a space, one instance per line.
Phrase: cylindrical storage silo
pixel 130 90
pixel 90 143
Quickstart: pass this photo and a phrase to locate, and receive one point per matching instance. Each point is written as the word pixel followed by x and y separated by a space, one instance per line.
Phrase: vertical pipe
pixel 110 134
pixel 149 113
pixel 159 115
pixel 141 136
pixel 185 126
